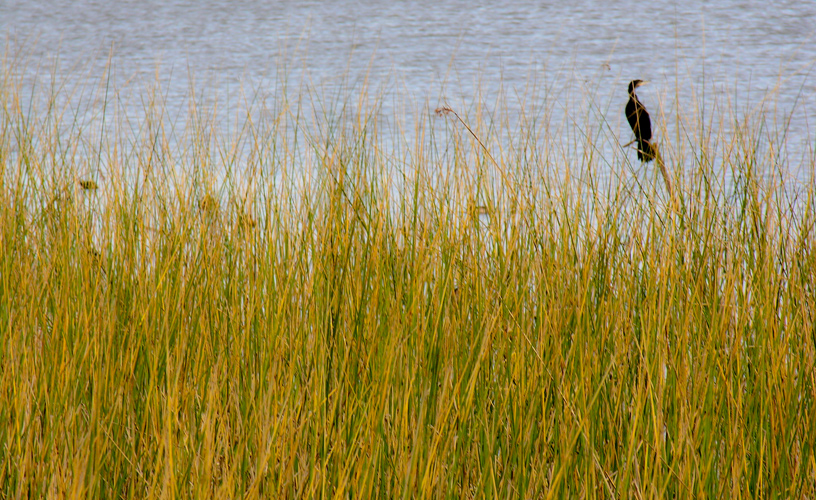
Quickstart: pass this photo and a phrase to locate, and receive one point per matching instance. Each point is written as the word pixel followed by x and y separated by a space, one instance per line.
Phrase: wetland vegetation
pixel 307 303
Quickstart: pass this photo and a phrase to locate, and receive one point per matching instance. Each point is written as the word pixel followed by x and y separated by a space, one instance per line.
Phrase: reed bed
pixel 309 305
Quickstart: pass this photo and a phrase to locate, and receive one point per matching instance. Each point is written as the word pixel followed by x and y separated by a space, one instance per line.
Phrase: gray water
pixel 437 52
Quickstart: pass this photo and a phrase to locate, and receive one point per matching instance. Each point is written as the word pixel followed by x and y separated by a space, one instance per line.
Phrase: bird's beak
pixel 642 83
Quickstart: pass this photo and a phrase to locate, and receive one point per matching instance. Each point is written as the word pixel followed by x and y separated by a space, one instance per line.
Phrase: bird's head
pixel 635 84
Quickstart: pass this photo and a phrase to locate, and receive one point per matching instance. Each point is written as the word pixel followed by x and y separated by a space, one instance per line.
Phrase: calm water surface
pixel 435 52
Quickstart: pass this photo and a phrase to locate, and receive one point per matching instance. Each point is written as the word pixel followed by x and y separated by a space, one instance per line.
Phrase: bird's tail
pixel 646 151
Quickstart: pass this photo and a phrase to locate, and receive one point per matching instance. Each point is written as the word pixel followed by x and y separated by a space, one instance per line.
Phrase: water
pixel 432 52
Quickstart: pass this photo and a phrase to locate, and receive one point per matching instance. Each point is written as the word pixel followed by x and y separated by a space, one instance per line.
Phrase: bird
pixel 641 124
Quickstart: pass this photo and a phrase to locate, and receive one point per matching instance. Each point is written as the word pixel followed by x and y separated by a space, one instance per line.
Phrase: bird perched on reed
pixel 641 124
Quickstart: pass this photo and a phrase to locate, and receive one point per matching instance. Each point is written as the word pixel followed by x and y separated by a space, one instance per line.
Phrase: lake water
pixel 436 52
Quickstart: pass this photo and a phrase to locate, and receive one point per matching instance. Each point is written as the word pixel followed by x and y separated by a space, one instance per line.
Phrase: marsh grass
pixel 299 308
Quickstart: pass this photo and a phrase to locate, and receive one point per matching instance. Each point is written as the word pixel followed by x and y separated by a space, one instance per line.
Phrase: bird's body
pixel 641 125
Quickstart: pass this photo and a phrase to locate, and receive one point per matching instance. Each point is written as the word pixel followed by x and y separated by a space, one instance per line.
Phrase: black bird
pixel 641 124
